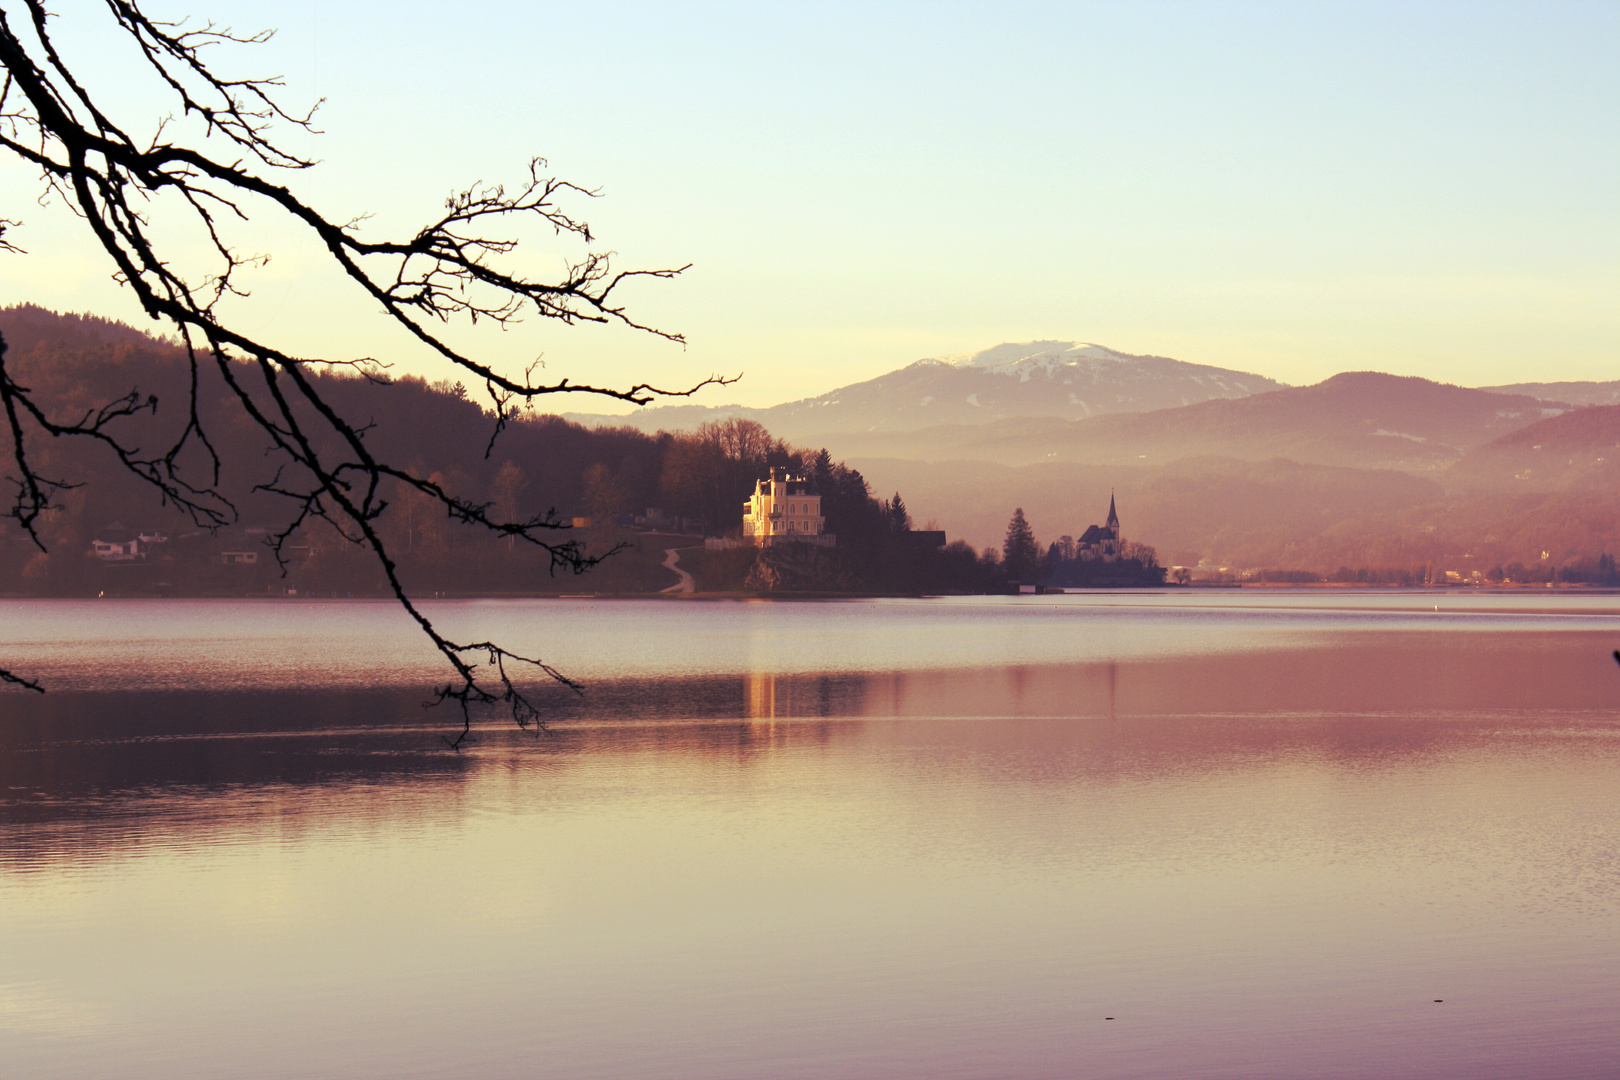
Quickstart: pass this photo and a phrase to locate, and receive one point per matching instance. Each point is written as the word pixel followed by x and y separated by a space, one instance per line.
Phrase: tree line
pixel 533 466
pixel 1067 564
pixel 1580 570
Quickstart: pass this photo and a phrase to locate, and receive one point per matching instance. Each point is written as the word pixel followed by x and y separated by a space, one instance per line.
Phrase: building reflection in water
pixel 771 696
pixel 760 689
pixel 87 770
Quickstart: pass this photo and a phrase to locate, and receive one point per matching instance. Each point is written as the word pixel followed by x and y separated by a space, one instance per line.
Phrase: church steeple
pixel 1113 515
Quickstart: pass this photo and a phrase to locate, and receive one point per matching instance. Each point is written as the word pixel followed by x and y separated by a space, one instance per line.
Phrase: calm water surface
pixel 1261 832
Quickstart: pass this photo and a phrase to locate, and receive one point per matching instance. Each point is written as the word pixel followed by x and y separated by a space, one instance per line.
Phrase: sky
pixel 1292 189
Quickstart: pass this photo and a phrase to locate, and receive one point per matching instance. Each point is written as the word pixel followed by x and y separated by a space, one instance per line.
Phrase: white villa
pixel 785 508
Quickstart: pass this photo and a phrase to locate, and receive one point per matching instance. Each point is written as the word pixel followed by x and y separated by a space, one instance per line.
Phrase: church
pixel 1102 541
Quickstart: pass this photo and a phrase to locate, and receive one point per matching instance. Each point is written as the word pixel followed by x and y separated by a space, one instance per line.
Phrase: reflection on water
pixel 237 644
pixel 1263 853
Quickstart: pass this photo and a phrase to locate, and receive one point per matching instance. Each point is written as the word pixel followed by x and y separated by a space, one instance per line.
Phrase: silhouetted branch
pixel 18 680
pixel 454 267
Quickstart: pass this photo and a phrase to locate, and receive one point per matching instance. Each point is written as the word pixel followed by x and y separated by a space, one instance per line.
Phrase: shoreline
pixel 1273 587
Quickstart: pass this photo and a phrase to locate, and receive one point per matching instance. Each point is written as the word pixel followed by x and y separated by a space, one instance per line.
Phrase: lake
pixel 1182 833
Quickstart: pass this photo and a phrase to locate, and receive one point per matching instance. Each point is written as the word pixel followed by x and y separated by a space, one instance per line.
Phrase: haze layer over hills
pixel 1225 468
pixel 1358 419
pixel 1363 469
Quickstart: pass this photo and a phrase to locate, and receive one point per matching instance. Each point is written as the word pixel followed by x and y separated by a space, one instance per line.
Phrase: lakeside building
pixel 1102 541
pixel 115 543
pixel 785 508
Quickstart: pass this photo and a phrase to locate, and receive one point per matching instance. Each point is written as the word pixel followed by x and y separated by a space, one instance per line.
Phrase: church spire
pixel 1113 516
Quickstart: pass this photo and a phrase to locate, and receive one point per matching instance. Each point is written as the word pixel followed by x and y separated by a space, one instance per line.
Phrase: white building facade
pixel 785 508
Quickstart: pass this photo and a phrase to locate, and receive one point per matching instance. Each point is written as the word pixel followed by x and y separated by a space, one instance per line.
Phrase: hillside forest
pixel 641 494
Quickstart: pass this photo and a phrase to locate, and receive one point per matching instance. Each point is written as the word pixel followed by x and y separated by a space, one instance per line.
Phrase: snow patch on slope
pixel 1021 357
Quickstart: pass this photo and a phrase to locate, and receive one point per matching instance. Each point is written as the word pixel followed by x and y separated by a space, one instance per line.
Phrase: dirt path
pixel 686 584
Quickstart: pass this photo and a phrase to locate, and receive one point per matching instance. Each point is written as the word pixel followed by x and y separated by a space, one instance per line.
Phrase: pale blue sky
pixel 1294 189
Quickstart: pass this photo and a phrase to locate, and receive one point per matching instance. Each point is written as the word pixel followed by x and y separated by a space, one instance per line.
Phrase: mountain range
pixel 1075 381
pixel 1223 467
pixel 1363 469
pixel 1065 380
pixel 1361 419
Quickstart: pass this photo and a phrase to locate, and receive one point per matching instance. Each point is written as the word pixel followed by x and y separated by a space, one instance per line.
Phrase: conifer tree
pixel 822 468
pixel 899 517
pixel 1020 554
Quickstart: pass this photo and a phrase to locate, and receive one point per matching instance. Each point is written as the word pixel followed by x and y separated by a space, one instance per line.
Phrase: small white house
pixel 116 550
pixel 118 544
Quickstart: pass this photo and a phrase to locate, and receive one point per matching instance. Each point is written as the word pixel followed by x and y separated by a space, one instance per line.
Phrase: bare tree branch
pixel 456 267
pixel 17 680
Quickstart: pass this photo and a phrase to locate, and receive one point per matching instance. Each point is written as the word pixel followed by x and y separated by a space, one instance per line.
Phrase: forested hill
pixel 539 463
pixel 78 363
pixel 28 328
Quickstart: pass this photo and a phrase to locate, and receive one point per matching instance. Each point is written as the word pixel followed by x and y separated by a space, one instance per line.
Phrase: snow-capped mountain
pixel 1112 379
pixel 1060 379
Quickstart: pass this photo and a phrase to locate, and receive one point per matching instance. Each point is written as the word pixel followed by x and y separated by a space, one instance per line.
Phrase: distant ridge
pixel 29 326
pixel 1575 393
pixel 1577 450
pixel 1065 380
pixel 1360 419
